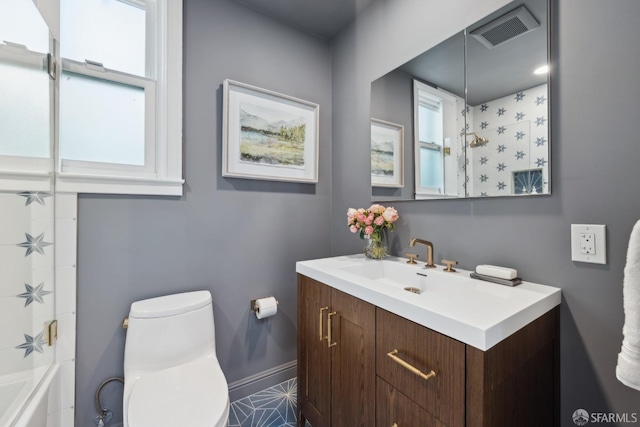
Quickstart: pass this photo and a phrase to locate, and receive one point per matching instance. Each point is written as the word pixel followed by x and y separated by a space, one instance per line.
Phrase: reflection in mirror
pixel 508 102
pixel 488 137
pixel 424 91
pixel 25 86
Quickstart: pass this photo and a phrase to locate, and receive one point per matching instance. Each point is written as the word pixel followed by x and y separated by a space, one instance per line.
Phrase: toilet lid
pixel 194 394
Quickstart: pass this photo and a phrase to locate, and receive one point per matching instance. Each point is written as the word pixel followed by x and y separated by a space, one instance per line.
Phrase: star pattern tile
pixel 520 138
pixel 32 344
pixel 501 185
pixel 34 244
pixel 33 293
pixel 540 162
pixel 483 160
pixel 35 196
pixel 273 407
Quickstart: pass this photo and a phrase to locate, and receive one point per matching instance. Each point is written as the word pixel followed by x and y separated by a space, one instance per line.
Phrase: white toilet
pixel 171 373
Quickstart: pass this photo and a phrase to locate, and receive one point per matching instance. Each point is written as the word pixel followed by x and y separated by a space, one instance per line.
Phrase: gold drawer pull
pixel 320 324
pixel 392 355
pixel 395 425
pixel 329 343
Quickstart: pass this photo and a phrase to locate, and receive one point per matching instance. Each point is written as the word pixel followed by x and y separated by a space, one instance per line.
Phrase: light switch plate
pixel 588 243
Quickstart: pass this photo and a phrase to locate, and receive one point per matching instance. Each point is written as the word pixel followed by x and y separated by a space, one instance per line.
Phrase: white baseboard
pixel 262 380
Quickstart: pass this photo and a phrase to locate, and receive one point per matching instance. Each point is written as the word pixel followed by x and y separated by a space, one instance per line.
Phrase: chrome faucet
pixel 429 246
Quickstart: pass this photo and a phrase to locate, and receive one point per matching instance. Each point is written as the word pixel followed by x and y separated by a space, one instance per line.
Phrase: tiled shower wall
pixel 26 279
pixel 517 128
pixel 30 266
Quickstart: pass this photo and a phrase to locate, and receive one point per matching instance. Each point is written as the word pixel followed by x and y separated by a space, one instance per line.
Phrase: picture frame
pixel 387 154
pixel 267 135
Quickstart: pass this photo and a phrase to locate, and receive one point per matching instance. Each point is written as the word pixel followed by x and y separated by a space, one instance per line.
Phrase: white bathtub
pixel 31 399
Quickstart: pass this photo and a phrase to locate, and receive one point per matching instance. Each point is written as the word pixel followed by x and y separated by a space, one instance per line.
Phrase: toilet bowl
pixel 171 373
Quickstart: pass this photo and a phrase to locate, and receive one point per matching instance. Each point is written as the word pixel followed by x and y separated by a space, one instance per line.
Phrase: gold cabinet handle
pixel 395 425
pixel 320 324
pixel 392 355
pixel 329 343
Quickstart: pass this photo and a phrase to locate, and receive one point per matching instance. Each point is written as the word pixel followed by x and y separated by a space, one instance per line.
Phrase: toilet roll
pixel 266 307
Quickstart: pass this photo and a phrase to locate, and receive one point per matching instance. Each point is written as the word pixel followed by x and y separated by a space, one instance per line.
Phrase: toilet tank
pixel 167 331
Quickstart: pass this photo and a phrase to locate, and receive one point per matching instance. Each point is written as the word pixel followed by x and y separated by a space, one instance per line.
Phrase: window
pixel 434 122
pixel 120 97
pixel 26 109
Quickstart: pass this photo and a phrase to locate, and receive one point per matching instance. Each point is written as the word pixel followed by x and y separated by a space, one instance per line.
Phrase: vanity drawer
pixel 421 349
pixel 395 409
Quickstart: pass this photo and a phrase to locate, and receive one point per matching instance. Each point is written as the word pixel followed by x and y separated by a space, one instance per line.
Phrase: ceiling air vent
pixel 506 27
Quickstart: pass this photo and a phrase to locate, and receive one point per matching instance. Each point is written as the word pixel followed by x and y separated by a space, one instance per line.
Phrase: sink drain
pixel 412 289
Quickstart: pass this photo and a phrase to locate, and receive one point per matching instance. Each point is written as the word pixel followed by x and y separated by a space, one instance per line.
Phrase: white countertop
pixel 475 312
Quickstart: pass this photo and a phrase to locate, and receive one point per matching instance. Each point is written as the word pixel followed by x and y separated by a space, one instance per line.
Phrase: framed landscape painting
pixel 267 135
pixel 387 140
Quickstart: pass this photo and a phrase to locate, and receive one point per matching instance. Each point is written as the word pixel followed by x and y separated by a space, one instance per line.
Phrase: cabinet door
pixel 314 356
pixel 413 349
pixel 353 361
pixel 395 409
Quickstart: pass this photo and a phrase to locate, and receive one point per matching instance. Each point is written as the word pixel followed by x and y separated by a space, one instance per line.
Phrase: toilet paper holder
pixel 254 306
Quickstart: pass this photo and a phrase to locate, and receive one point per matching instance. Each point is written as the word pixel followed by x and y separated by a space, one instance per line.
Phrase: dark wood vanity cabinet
pixel 336 357
pixel 387 371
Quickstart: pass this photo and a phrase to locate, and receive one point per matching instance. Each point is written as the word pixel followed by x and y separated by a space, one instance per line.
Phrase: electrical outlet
pixel 588 243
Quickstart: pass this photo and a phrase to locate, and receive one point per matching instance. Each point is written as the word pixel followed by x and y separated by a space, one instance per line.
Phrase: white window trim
pixel 167 177
pixel 442 97
pixel 149 87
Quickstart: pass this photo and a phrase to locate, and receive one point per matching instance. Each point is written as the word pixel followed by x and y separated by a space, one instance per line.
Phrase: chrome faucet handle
pixel 412 258
pixel 449 264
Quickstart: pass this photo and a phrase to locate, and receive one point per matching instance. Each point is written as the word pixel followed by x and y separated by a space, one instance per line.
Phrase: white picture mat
pixel 388 131
pixel 237 94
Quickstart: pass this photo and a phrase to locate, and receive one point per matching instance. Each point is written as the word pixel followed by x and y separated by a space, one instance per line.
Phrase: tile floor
pixel 273 407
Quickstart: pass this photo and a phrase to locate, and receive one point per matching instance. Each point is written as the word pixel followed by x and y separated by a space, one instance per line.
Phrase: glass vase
pixel 376 246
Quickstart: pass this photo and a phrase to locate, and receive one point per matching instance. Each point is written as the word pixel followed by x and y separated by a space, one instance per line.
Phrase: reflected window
pixel 435 128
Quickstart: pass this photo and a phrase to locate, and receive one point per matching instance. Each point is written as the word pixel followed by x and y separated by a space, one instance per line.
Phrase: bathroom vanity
pixel 459 353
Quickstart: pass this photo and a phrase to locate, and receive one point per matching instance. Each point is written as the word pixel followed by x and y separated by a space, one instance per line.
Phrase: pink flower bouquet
pixel 371 223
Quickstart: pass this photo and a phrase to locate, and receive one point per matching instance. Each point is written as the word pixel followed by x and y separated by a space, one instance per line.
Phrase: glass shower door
pixel 26 209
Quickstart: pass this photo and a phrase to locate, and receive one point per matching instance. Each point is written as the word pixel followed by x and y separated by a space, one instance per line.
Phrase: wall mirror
pixel 474 111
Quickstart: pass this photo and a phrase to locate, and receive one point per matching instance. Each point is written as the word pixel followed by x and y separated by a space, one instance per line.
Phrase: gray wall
pixel 595 154
pixel 392 101
pixel 238 238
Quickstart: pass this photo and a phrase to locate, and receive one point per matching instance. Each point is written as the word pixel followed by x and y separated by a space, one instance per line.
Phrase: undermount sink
pixel 475 312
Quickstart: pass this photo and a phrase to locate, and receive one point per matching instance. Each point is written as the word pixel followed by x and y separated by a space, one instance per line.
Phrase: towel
pixel 628 369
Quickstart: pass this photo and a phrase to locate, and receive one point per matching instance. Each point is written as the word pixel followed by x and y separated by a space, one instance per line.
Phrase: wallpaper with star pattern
pixel 516 158
pixel 26 279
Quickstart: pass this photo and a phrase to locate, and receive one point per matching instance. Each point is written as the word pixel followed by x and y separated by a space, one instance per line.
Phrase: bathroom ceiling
pixel 322 18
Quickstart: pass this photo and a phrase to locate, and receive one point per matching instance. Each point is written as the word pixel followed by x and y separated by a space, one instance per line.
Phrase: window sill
pixel 25 181
pixel 108 184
